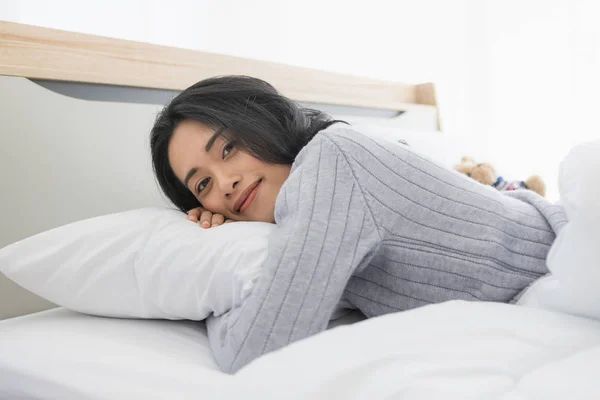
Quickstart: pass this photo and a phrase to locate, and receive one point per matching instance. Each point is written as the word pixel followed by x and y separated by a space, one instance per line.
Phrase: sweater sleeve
pixel 325 233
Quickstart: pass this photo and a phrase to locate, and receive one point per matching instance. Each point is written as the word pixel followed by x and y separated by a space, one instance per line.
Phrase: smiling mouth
pixel 247 197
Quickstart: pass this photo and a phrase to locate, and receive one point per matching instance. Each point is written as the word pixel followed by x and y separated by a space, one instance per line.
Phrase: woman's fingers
pixel 217 219
pixel 205 219
pixel 194 214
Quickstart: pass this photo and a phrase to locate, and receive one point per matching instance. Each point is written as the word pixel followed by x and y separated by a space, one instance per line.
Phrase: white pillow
pixel 574 258
pixel 146 263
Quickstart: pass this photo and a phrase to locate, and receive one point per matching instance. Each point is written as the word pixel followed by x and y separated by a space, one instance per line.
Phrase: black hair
pixel 260 120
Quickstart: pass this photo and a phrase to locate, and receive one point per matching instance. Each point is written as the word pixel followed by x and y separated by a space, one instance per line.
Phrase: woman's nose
pixel 228 185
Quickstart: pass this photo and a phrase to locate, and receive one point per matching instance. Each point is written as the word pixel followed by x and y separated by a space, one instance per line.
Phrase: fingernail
pixel 213 225
pixel 206 224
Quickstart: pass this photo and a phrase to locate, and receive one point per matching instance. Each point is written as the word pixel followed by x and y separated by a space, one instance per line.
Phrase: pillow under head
pixel 145 263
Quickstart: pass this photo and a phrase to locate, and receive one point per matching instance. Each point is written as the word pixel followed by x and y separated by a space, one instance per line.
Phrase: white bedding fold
pixel 454 350
pixel 574 259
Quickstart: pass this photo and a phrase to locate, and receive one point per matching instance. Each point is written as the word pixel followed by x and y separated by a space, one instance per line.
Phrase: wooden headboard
pixel 42 53
pixel 57 141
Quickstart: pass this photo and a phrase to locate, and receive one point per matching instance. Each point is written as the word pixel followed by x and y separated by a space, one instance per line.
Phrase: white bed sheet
pixel 453 350
pixel 60 354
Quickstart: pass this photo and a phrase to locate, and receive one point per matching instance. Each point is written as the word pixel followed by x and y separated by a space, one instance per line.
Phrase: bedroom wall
pixel 407 41
pixel 515 78
pixel 537 85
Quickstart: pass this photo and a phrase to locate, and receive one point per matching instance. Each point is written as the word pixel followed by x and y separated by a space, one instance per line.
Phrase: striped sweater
pixel 385 229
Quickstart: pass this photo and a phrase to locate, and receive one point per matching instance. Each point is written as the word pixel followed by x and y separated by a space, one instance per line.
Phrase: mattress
pixel 61 354
pixel 451 350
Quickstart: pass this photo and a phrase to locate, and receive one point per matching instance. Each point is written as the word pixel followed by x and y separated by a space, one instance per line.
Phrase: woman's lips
pixel 250 198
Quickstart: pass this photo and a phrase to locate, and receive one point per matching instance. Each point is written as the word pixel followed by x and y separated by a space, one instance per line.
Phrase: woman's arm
pixel 325 233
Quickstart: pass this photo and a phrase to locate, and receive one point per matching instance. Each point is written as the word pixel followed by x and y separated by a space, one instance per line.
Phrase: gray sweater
pixel 385 229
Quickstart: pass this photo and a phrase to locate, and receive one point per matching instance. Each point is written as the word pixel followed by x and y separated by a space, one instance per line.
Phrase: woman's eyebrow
pixel 189 175
pixel 213 138
pixel 207 148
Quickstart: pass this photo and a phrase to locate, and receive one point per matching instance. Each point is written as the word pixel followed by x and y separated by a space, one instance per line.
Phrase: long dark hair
pixel 264 123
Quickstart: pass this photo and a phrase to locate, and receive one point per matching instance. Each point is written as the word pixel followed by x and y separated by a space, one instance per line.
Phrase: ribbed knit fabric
pixel 388 230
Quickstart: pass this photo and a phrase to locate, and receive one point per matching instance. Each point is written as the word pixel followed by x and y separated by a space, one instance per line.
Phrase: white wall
pixel 515 77
pixel 407 41
pixel 392 40
pixel 539 80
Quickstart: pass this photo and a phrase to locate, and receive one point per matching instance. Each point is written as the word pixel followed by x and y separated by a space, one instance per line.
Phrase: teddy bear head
pixel 482 172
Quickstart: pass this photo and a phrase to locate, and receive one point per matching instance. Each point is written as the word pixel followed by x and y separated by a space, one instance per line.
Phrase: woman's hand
pixel 206 219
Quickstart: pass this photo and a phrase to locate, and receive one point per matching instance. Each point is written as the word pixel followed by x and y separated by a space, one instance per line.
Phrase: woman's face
pixel 224 179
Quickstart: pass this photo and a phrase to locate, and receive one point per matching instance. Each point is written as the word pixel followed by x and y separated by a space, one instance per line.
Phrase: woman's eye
pixel 202 185
pixel 227 149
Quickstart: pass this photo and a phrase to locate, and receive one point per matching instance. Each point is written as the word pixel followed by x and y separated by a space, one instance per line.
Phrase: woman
pixel 370 223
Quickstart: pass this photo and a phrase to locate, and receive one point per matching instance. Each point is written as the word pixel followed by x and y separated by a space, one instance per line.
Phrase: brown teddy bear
pixel 486 174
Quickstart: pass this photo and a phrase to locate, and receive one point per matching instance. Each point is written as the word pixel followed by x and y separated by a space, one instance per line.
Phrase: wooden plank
pixel 43 53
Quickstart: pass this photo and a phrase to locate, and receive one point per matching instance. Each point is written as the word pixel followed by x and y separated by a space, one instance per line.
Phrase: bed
pixel 454 350
pixel 67 99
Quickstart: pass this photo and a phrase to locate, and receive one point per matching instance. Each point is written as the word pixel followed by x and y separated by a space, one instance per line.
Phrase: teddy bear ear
pixel 466 160
pixel 463 169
